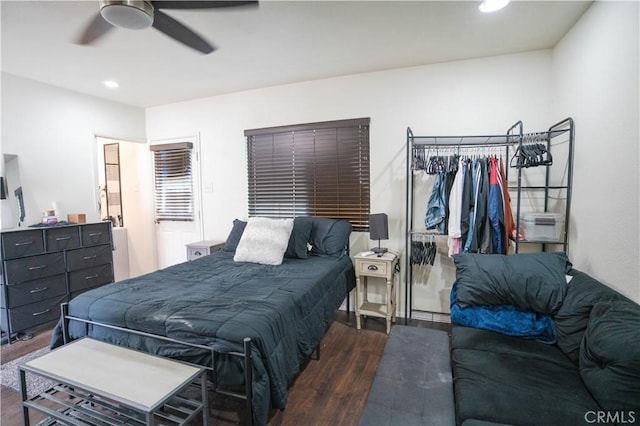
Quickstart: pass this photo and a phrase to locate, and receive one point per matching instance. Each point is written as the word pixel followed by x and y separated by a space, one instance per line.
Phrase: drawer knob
pixel 38 290
pixel 68 237
pixel 35 314
pixel 90 277
pixel 372 268
pixel 90 257
pixel 95 234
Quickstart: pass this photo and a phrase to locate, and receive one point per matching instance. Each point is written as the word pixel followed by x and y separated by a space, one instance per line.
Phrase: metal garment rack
pixel 513 138
pixel 564 127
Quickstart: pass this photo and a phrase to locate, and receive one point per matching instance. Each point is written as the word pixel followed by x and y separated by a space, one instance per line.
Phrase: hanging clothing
pixel 510 231
pixel 475 181
pixel 467 201
pixel 480 213
pixel 455 210
pixel 436 206
pixel 495 208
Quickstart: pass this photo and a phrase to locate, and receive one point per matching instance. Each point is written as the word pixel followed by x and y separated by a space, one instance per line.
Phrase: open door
pixel 177 201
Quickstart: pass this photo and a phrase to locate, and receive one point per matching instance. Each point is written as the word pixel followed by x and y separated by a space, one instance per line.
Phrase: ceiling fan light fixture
pixel 130 14
pixel 488 6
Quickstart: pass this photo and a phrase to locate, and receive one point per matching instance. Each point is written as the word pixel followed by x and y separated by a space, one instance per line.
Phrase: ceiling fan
pixel 140 14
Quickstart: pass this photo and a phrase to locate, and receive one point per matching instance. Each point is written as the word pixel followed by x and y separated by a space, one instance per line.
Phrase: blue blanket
pixel 505 319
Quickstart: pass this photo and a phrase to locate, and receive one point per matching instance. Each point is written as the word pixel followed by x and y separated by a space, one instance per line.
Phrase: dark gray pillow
pixel 329 237
pixel 532 281
pixel 610 355
pixel 234 236
pixel 300 237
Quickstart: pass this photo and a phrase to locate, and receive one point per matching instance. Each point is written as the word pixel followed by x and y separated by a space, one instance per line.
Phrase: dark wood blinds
pixel 173 181
pixel 316 169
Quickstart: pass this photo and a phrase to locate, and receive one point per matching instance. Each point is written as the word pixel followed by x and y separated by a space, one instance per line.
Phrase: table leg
pixel 205 400
pixel 358 302
pixel 23 396
pixel 389 306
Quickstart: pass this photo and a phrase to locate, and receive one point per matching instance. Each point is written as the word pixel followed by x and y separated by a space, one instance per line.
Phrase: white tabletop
pixel 134 378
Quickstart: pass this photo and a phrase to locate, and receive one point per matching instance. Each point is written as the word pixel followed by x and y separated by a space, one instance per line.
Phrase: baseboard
pixel 431 316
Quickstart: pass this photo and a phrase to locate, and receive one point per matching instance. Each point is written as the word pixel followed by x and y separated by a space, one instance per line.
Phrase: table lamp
pixel 378 230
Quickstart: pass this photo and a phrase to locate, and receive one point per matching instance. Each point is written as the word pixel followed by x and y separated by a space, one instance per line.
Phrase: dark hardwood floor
pixel 329 391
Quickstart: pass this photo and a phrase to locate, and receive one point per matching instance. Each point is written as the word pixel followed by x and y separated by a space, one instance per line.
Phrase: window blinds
pixel 317 169
pixel 173 173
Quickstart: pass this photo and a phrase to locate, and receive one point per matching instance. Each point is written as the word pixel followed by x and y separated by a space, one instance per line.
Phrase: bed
pixel 205 311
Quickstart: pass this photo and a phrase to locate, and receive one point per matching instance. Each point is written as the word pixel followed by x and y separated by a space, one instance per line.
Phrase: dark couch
pixel 587 373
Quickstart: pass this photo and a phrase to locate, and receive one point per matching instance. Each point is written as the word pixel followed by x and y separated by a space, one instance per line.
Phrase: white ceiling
pixel 275 43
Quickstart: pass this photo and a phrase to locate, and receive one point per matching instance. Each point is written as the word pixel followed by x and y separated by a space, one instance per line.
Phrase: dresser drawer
pixel 88 257
pixel 33 291
pixel 34 267
pixel 96 233
pixel 22 243
pixel 33 314
pixel 62 238
pixel 372 268
pixel 90 277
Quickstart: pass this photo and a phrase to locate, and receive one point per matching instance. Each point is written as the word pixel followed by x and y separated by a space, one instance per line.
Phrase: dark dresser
pixel 43 267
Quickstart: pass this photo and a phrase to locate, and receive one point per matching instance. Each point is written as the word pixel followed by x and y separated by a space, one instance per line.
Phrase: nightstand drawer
pixel 372 268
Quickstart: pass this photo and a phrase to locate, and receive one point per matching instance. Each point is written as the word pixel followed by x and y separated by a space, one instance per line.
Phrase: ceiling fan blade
pixel 96 28
pixel 177 31
pixel 190 4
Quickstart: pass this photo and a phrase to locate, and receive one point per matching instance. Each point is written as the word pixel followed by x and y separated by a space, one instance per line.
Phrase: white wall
pixel 52 130
pixel 595 80
pixel 482 96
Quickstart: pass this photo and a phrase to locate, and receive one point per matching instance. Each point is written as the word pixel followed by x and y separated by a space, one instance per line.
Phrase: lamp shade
pixel 378 226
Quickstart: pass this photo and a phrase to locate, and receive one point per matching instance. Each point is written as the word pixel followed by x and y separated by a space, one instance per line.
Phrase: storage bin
pixel 542 226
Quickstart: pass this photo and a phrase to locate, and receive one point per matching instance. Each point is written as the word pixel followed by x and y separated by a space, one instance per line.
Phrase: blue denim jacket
pixel 436 206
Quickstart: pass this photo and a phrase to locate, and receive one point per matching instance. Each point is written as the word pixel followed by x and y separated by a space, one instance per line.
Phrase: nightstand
pixel 382 268
pixel 203 248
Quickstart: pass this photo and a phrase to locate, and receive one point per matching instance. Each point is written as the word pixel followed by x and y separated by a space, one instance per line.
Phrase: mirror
pixel 13 213
pixel 109 181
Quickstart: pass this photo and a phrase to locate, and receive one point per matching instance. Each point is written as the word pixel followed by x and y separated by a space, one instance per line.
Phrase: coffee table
pixel 101 383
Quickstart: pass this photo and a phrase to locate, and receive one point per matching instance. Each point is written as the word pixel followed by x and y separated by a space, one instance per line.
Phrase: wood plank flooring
pixel 329 391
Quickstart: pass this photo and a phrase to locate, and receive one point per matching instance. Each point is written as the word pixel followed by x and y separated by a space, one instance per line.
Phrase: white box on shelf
pixel 543 226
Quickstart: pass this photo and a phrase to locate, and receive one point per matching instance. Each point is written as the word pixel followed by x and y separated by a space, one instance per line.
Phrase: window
pixel 173 181
pixel 317 169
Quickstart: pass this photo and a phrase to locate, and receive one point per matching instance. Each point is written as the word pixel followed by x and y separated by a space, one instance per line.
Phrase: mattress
pixel 217 302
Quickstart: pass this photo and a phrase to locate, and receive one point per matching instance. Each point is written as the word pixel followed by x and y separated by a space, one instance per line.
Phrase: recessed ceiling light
pixel 488 6
pixel 111 84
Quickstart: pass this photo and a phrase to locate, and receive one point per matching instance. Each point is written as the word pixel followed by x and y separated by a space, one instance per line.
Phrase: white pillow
pixel 264 240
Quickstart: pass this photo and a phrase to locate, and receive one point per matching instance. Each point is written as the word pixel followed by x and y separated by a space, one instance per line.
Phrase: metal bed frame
pixel 245 356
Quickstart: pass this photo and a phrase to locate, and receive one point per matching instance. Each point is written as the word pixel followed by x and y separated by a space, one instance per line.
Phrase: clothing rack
pixel 513 141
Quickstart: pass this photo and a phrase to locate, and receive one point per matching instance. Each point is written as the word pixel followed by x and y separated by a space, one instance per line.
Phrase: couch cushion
pixel 532 281
pixel 504 379
pixel 483 340
pixel 610 354
pixel 583 292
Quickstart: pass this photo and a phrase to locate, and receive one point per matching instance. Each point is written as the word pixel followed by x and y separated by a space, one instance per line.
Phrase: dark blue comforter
pixel 217 302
